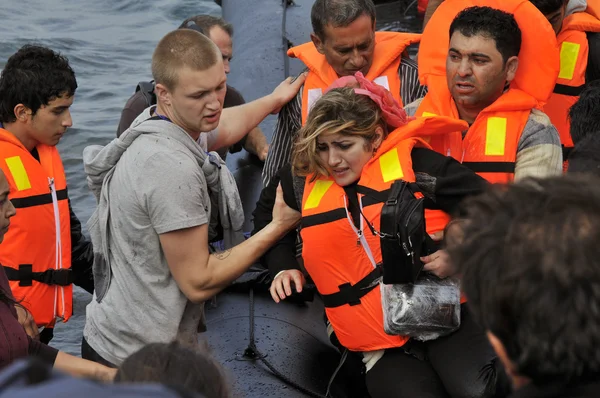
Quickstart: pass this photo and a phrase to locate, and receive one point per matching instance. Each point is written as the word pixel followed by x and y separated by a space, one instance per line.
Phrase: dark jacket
pixel 14 342
pixel 82 255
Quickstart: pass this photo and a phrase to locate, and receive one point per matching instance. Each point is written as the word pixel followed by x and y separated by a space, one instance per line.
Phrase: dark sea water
pixel 109 44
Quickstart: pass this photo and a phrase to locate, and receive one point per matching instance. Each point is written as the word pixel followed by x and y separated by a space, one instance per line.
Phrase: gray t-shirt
pixel 157 187
pixel 206 140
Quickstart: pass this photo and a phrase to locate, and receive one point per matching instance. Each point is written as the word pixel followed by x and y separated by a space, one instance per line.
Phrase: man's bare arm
pixel 201 275
pixel 256 143
pixel 237 121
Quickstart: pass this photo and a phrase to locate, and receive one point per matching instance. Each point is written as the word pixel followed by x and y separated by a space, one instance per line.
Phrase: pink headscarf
pixel 392 112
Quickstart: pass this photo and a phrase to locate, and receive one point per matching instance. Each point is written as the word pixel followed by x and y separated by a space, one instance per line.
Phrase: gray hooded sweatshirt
pixel 151 180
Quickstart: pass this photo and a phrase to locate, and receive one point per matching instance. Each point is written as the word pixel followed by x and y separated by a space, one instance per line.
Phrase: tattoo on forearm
pixel 222 255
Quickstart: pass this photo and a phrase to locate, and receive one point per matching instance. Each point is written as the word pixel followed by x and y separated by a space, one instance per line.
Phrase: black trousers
pixel 460 365
pixel 87 352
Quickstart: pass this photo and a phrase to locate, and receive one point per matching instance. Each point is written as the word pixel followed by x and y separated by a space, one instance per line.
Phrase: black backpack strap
pixel 351 294
pixel 147 89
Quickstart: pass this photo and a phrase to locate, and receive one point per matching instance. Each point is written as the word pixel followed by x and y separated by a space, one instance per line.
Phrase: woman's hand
pixel 281 287
pixel 439 264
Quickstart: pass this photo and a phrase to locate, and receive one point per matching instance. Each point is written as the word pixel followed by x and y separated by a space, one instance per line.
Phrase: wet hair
pixel 206 22
pixel 342 111
pixel 490 23
pixel 585 157
pixel 548 6
pixel 179 49
pixel 339 13
pixel 34 76
pixel 530 265
pixel 584 115
pixel 175 365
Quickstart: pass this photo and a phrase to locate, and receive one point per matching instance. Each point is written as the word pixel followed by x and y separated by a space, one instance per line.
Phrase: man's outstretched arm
pixel 237 121
pixel 201 275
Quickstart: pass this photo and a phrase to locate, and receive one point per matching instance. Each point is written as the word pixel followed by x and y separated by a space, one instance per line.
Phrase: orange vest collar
pixel 9 137
pixel 388 47
pixel 587 21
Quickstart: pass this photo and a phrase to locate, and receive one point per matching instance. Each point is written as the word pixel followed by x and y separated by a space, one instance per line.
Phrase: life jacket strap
pixel 351 294
pixel 26 276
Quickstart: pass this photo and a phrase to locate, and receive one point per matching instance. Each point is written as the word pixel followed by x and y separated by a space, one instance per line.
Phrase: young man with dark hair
pixel 530 270
pixel 486 80
pixel 343 42
pixel 221 33
pixel 578 35
pixel 152 262
pixel 44 251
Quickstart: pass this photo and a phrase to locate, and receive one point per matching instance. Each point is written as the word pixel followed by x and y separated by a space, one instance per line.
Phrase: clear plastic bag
pixel 425 310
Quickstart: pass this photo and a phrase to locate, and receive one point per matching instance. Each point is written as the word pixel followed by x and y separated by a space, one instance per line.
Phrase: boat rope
pixel 252 352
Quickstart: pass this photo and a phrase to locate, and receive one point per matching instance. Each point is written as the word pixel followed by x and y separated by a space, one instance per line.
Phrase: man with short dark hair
pixel 531 271
pixel 485 79
pixel 578 35
pixel 152 184
pixel 343 42
pixel 221 33
pixel 44 251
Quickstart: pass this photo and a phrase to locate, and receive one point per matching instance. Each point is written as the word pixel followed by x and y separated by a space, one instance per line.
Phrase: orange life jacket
pixel 538 60
pixel 490 145
pixel 335 253
pixel 535 79
pixel 574 51
pixel 36 252
pixel 389 47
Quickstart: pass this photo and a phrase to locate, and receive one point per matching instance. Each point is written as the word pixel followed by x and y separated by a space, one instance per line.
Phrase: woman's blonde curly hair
pixel 340 110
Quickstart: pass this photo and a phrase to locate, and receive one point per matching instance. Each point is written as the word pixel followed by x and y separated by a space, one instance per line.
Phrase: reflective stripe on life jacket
pixel 389 47
pixel 36 251
pixel 574 53
pixel 336 253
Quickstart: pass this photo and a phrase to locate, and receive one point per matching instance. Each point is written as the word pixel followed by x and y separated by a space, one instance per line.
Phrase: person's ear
pixel 163 94
pixel 512 64
pixel 319 44
pixel 22 113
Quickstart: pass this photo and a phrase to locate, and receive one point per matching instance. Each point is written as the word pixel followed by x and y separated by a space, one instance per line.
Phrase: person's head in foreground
pixel 585 156
pixel 531 273
pixel 482 57
pixel 175 365
pixel 345 128
pixel 584 115
pixel 190 81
